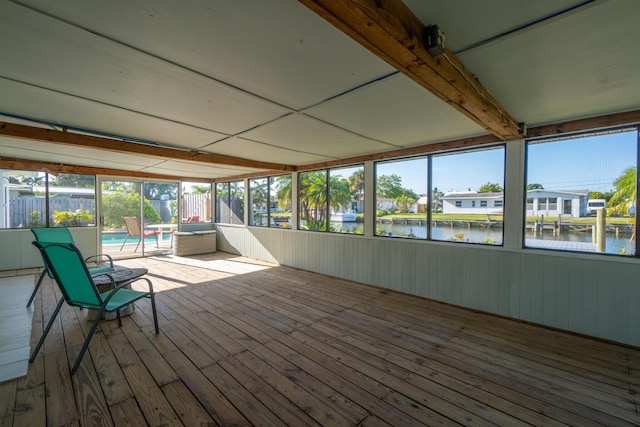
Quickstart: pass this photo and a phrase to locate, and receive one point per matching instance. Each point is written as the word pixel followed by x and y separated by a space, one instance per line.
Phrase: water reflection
pixel 613 244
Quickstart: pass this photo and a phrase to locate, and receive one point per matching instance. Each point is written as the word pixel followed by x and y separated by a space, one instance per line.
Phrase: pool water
pixel 118 239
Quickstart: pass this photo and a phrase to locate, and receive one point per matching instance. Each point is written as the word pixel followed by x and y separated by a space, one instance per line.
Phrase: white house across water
pixel 568 203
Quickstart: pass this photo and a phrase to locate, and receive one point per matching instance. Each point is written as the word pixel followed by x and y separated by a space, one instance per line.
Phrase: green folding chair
pixel 63 235
pixel 65 262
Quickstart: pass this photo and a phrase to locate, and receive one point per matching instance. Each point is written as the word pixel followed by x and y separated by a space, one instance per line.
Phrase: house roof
pixel 583 193
pixel 220 89
pixel 500 195
pixel 474 195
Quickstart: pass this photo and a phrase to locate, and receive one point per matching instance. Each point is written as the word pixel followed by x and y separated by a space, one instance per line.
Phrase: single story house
pixel 471 202
pixel 568 203
pixel 571 203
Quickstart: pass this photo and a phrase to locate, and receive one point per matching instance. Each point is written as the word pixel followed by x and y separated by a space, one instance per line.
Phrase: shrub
pixel 76 218
pixel 117 205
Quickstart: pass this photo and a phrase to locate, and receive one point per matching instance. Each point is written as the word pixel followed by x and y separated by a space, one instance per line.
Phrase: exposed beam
pixel 627 118
pixel 56 168
pixel 390 30
pixel 587 124
pixel 89 141
pixel 458 144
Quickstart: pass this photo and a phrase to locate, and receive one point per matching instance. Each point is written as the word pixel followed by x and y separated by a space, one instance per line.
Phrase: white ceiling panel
pixel 566 69
pixel 43 51
pixel 468 22
pixel 398 111
pixel 277 49
pixel 72 155
pixel 304 134
pixel 245 148
pixel 65 110
pixel 197 170
pixel 271 81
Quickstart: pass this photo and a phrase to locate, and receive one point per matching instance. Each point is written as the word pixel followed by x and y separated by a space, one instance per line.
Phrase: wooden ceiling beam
pixel 100 143
pixel 391 31
pixel 58 168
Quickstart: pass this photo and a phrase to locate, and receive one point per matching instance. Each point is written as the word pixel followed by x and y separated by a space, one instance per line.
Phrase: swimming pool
pixel 119 238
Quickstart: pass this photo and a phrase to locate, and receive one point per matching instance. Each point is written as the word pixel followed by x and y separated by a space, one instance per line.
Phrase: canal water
pixel 613 245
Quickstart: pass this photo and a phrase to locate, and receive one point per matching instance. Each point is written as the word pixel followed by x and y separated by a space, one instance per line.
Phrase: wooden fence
pixel 30 211
pixel 196 205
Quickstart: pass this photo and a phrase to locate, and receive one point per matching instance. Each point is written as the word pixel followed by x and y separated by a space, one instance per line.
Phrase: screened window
pixel 270 202
pixel 312 197
pixel 230 202
pixel 332 200
pixel 196 202
pixel 346 200
pixel 471 176
pixel 280 201
pixel 37 199
pixel 72 200
pixel 259 202
pixel 401 198
pixel 564 178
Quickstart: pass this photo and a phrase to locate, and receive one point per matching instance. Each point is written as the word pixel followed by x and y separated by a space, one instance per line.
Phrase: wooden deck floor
pixel 249 343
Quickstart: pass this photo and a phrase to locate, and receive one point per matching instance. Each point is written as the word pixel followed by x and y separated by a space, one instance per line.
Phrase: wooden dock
pixel 562 245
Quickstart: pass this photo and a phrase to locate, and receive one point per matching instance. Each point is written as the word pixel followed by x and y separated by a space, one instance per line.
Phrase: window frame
pixel 73 219
pixel 568 137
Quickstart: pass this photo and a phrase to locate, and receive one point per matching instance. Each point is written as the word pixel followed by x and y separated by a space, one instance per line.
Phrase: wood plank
pixel 248 345
pixel 7 402
pixel 61 406
pixel 185 404
pixel 319 410
pixel 159 369
pixel 312 377
pixel 476 388
pixel 127 412
pixel 211 398
pixel 154 406
pixel 96 142
pixel 266 396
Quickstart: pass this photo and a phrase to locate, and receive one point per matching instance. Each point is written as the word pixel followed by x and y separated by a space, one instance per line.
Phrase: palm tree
pixel 339 193
pixel 404 202
pixel 200 189
pixel 356 184
pixel 625 194
pixel 259 193
pixel 356 181
pixel 313 195
pixel 283 192
pixel 33 181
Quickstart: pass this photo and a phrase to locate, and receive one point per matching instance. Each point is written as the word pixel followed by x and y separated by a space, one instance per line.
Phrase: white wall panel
pixel 593 295
pixel 17 252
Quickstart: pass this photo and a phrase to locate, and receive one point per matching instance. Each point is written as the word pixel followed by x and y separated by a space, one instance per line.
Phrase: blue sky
pixel 589 163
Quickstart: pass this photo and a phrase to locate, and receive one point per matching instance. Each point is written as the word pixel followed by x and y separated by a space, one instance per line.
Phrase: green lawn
pixel 483 217
pixel 439 216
